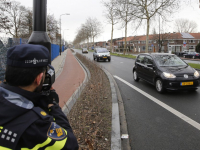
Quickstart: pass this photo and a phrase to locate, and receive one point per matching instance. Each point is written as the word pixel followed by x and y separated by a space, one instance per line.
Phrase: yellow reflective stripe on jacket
pixel 39 145
pixel 58 145
pixel 4 148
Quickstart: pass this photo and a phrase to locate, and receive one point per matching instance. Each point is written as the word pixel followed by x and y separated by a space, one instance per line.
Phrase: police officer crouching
pixel 30 119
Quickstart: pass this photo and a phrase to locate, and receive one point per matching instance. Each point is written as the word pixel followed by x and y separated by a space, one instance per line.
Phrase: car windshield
pixel 102 50
pixel 169 60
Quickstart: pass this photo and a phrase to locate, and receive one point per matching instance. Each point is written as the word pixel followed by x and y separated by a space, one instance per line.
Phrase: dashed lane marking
pixel 170 109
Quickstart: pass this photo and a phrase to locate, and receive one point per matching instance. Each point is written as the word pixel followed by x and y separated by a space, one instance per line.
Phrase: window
pixel 140 59
pixel 171 41
pixel 150 41
pixel 143 48
pixel 150 48
pixel 138 42
pixel 148 60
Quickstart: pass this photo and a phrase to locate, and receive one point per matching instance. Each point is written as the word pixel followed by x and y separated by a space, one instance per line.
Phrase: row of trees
pixel 138 12
pixel 144 12
pixel 91 29
pixel 16 20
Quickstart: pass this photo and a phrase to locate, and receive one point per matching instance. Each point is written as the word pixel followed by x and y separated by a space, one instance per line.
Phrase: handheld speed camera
pixel 49 78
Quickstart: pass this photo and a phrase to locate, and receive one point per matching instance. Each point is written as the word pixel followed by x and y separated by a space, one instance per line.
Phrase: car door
pixel 149 71
pixel 139 65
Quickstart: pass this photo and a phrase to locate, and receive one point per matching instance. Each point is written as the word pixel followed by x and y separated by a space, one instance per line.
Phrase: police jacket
pixel 24 125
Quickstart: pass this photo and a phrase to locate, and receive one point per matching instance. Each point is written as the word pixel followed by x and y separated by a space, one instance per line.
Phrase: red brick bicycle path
pixel 70 78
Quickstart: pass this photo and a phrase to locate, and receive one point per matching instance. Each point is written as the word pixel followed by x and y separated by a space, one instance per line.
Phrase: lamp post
pixel 60 32
pixel 64 35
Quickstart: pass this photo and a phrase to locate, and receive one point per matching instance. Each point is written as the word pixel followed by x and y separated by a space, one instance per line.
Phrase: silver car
pixel 84 50
pixel 101 54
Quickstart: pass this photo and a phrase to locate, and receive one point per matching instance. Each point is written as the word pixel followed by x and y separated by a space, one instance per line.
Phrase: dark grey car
pixel 165 71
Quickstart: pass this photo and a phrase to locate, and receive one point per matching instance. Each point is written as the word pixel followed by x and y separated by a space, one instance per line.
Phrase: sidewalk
pixel 69 76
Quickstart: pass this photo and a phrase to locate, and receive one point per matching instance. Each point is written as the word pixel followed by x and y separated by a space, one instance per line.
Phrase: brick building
pixel 175 42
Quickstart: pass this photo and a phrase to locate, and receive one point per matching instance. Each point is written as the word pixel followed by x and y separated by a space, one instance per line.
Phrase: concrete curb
pixel 115 135
pixel 72 100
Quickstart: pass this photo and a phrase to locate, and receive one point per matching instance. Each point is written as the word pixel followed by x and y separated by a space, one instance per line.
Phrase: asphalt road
pixel 169 121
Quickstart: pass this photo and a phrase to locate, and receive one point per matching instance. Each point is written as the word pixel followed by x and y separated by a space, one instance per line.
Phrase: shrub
pixel 198 48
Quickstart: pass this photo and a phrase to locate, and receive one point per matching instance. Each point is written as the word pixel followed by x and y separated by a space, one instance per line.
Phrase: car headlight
pixel 196 74
pixel 99 55
pixel 168 75
pixel 108 54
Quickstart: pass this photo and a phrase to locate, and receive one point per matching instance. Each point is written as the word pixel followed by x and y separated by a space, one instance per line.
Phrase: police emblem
pixel 43 113
pixel 56 132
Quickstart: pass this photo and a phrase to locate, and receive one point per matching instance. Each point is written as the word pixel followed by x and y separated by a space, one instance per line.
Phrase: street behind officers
pixel 28 118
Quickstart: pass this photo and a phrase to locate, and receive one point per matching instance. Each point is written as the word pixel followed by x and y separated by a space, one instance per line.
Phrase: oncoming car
pixel 101 54
pixel 165 71
pixel 84 50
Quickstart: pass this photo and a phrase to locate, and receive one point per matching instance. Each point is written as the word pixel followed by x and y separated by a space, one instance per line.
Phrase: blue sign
pixel 152 45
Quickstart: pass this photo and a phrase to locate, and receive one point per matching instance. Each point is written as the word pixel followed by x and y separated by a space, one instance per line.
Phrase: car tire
pixel 135 76
pixel 159 85
pixel 98 59
pixel 109 60
pixel 193 57
pixel 93 58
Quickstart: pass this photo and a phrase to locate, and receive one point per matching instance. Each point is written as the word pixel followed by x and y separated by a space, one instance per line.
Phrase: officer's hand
pixel 53 97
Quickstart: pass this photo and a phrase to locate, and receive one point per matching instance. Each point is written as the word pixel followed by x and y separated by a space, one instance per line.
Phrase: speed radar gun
pixel 39 36
pixel 49 79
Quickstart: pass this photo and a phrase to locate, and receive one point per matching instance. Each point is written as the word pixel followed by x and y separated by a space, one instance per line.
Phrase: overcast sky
pixel 80 10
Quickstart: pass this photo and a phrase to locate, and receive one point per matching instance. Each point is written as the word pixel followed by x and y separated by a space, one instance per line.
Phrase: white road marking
pixel 170 109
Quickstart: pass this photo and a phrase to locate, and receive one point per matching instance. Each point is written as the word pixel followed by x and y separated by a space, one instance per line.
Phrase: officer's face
pixel 39 88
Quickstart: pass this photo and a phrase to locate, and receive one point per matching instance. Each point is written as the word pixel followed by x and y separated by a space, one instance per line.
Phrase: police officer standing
pixel 30 120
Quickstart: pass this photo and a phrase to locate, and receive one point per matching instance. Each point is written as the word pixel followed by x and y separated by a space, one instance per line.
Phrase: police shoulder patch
pixel 56 132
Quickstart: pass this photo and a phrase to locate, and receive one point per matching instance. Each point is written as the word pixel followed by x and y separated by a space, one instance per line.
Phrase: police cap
pixel 28 55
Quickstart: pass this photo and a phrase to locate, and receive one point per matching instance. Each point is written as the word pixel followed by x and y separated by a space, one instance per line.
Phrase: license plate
pixel 186 83
pixel 104 57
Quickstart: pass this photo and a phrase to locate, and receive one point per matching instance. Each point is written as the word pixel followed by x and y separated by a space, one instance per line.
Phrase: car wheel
pixel 193 57
pixel 159 85
pixel 98 59
pixel 93 58
pixel 135 77
pixel 109 60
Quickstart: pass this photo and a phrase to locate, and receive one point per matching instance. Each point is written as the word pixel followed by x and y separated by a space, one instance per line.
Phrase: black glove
pixel 53 97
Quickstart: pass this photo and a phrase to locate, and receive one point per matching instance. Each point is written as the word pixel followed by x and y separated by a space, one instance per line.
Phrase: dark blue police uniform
pixel 26 123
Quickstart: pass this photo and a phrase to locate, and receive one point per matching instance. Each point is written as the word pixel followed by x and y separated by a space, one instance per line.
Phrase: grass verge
pixel 196 66
pixel 122 55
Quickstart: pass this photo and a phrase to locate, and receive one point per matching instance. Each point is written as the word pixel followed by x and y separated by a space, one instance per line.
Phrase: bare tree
pixel 13 23
pixel 111 17
pixel 123 9
pixel 148 9
pixel 185 25
pixel 93 26
pixel 4 4
pixel 52 27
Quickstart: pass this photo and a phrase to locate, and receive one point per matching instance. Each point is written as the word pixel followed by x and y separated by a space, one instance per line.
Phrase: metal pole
pixel 60 34
pixel 159 34
pixel 39 35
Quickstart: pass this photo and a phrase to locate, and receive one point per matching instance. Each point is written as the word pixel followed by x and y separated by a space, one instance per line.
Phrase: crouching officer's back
pixel 30 120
